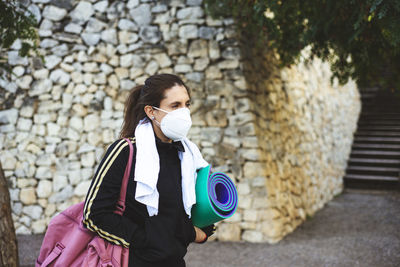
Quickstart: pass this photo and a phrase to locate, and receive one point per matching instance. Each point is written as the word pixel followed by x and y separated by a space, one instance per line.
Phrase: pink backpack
pixel 68 243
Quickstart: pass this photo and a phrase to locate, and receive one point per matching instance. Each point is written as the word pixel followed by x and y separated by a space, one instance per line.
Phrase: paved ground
pixel 357 228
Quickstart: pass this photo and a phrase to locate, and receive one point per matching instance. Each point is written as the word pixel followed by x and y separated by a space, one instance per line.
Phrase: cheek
pixel 159 116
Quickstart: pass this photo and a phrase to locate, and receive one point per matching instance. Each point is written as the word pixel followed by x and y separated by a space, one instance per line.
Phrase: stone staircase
pixel 375 157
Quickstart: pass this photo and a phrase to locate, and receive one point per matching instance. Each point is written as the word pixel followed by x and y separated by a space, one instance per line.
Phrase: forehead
pixel 177 93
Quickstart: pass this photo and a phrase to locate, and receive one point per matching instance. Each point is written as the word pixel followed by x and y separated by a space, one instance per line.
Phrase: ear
pixel 149 111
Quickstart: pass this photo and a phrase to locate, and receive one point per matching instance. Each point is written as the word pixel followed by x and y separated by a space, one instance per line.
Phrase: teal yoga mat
pixel 216 197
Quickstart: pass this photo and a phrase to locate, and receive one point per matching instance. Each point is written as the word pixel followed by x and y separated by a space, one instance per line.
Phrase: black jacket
pixel 159 240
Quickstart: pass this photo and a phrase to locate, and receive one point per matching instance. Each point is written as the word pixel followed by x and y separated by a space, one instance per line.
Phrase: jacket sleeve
pixel 103 194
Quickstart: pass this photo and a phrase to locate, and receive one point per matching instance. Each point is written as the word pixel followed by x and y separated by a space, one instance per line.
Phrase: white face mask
pixel 176 124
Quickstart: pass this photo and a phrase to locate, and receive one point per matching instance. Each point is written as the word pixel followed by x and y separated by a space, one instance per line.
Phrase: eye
pixel 188 104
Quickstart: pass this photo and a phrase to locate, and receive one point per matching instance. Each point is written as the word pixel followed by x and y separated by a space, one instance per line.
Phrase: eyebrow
pixel 178 102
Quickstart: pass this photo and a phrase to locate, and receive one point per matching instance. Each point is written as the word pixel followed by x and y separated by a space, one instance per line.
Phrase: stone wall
pixel 283 136
pixel 304 126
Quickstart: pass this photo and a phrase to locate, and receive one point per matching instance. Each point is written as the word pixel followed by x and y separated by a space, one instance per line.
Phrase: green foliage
pixel 16 22
pixel 360 38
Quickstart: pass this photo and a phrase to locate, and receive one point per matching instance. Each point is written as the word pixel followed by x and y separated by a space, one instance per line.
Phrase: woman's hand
pixel 200 235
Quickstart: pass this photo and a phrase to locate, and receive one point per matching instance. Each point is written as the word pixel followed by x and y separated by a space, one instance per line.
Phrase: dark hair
pixel 150 93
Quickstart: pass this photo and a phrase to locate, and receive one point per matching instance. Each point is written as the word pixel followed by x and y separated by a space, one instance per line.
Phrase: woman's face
pixel 174 98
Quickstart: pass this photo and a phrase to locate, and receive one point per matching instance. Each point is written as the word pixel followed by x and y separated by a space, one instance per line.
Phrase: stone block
pixel 22 230
pixel 141 14
pixel 190 13
pixel 91 39
pixel 72 28
pixel 82 188
pixel 26 182
pixel 51 61
pixel 33 211
pixel 228 64
pixel 24 124
pixel 59 197
pixel 207 32
pixel 213 50
pixel 43 172
pixel 201 64
pixel 253 169
pixel 152 67
pixel 228 232
pixel 150 34
pixel 82 12
pixel 188 32
pixel 91 122
pixel 272 229
pixel 95 25
pixel 54 13
pixel 127 25
pixel 15 59
pixel 213 73
pixel 260 203
pixel 24 82
pixel 109 36
pixel 252 236
pixel 243 188
pixel 88 159
pixel 59 182
pixel 244 202
pixel 250 215
pixel 198 48
pixel 44 189
pixel 39 226
pixel 27 196
pixel 216 118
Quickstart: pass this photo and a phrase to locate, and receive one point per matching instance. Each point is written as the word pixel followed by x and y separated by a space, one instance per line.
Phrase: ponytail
pixel 133 112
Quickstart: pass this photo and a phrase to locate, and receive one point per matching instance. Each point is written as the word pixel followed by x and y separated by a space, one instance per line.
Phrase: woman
pixel 156 224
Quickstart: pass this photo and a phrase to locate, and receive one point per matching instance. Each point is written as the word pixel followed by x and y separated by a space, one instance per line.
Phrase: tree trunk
pixel 8 239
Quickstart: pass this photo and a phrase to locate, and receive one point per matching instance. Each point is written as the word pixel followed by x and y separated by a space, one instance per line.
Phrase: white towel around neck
pixel 147 169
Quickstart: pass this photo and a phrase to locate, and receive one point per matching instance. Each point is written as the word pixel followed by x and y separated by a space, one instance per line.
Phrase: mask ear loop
pixel 160 109
pixel 154 118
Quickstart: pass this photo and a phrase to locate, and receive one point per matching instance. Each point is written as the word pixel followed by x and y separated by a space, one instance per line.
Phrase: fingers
pixel 214 229
pixel 201 236
pixel 209 230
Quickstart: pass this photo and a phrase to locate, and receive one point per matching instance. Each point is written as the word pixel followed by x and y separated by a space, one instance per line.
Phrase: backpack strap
pixel 120 207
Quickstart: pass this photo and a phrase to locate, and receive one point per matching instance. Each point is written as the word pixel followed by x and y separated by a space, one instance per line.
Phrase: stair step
pixel 371 177
pixel 377 146
pixel 371 182
pixel 381 169
pixel 369 89
pixel 367 95
pixel 368 170
pixel 378 123
pixel 375 154
pixel 377 133
pixel 378 119
pixel 377 108
pixel 375 161
pixel 372 114
pixel 380 115
pixel 389 116
pixel 378 128
pixel 377 139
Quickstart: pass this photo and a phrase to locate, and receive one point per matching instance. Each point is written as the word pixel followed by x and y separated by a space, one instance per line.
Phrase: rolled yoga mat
pixel 216 197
